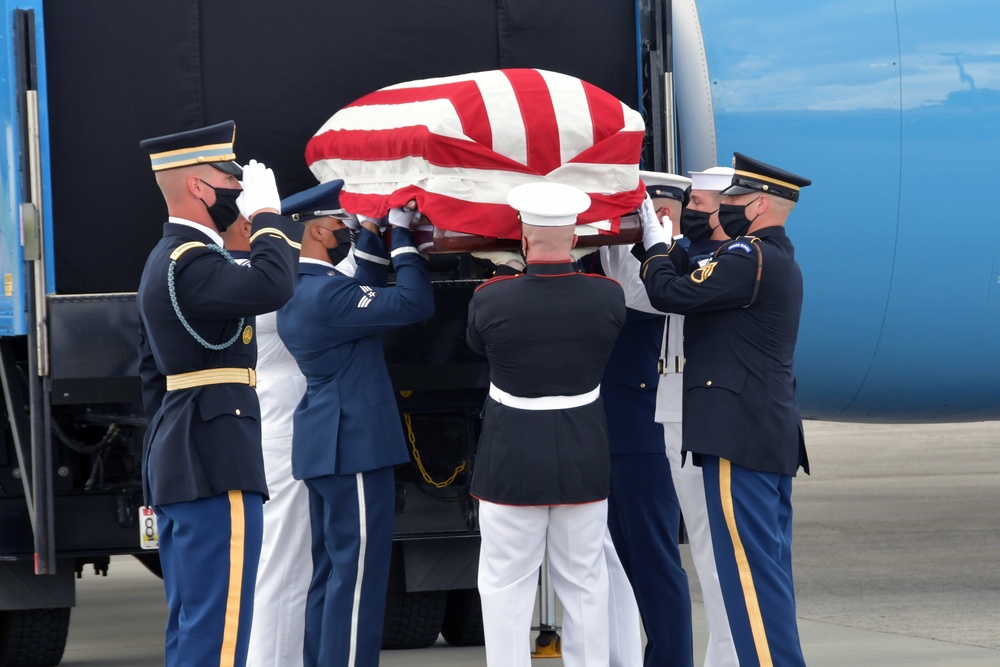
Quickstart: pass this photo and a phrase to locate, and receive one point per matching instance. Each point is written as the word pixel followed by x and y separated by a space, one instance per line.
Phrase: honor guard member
pixel 542 472
pixel 643 510
pixel 347 433
pixel 741 420
pixel 202 466
pixel 700 226
pixel 700 219
pixel 285 568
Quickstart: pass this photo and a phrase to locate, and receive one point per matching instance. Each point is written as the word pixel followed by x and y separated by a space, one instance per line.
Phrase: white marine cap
pixel 545 204
pixel 715 179
pixel 660 184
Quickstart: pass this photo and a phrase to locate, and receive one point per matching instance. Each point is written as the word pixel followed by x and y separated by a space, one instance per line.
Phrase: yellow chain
pixel 411 436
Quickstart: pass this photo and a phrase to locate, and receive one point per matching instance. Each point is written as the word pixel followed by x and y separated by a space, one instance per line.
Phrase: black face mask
pixel 694 225
pixel 224 211
pixel 733 219
pixel 343 238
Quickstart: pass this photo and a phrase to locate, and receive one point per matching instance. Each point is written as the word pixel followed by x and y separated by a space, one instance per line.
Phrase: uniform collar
pixel 315 267
pixel 210 233
pixel 550 268
pixel 773 230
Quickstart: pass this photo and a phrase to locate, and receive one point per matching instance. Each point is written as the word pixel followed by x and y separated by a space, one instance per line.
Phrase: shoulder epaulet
pixel 274 232
pixel 183 248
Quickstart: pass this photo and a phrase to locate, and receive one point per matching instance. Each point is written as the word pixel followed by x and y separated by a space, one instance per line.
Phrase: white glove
pixel 652 231
pixel 579 253
pixel 378 222
pixel 259 190
pixel 423 235
pixel 499 257
pixel 401 217
pixel 351 223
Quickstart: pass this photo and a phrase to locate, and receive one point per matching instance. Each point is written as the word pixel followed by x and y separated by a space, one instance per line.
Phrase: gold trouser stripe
pixel 743 565
pixel 212 376
pixel 272 231
pixel 183 248
pixel 236 545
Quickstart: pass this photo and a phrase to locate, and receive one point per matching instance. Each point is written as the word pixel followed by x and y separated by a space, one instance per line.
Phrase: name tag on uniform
pixel 149 534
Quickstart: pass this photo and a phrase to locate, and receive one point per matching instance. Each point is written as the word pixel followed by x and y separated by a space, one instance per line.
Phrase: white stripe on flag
pixel 633 120
pixel 438 115
pixel 485 186
pixel 509 136
pixel 576 128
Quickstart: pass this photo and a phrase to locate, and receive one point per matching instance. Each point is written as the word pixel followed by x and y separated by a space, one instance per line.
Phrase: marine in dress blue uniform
pixel 202 464
pixel 347 433
pixel 741 420
pixel 542 472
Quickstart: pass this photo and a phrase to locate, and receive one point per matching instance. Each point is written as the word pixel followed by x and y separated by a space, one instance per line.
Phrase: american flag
pixel 459 144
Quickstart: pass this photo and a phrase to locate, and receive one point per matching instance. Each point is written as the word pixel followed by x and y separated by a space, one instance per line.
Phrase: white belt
pixel 544 402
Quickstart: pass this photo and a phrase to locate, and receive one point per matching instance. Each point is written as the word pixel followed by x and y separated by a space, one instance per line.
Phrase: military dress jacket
pixel 205 440
pixel 348 421
pixel 547 332
pixel 742 313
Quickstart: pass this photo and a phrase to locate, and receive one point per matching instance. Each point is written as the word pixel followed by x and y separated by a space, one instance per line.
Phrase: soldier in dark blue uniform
pixel 542 472
pixel 643 510
pixel 741 419
pixel 202 465
pixel 347 436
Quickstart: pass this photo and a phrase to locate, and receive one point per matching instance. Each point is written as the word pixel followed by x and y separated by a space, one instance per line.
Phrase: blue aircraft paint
pixel 894 112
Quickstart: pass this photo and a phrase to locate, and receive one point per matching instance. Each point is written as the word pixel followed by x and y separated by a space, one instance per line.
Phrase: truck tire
pixel 412 619
pixel 33 637
pixel 463 618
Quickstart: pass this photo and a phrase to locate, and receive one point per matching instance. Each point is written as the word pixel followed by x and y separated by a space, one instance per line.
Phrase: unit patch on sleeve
pixel 740 245
pixel 367 296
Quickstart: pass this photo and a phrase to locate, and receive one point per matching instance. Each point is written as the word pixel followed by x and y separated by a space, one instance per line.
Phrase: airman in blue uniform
pixel 347 433
pixel 643 510
pixel 742 423
pixel 202 465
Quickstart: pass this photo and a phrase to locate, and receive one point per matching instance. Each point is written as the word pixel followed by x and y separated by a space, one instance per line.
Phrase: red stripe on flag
pixel 621 148
pixel 417 141
pixel 539 117
pixel 464 96
pixel 606 113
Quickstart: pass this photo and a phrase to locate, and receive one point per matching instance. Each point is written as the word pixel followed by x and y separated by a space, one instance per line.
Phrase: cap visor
pixel 734 190
pixel 229 167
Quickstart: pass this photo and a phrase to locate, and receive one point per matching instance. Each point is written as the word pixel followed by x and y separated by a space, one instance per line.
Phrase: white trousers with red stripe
pixel 514 541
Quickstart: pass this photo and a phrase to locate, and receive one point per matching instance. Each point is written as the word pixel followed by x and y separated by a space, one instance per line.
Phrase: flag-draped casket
pixel 458 145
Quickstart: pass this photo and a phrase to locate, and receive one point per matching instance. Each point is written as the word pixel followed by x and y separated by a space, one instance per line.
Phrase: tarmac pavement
pixel 896 555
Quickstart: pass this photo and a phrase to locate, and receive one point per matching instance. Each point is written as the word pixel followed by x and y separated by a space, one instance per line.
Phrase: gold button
pixel 642 385
pixel 709 383
pixel 238 410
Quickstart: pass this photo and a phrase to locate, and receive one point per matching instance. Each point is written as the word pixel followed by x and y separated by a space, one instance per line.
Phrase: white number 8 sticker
pixel 149 534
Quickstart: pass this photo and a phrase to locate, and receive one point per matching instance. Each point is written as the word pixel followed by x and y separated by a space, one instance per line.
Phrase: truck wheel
pixel 412 619
pixel 463 618
pixel 33 637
